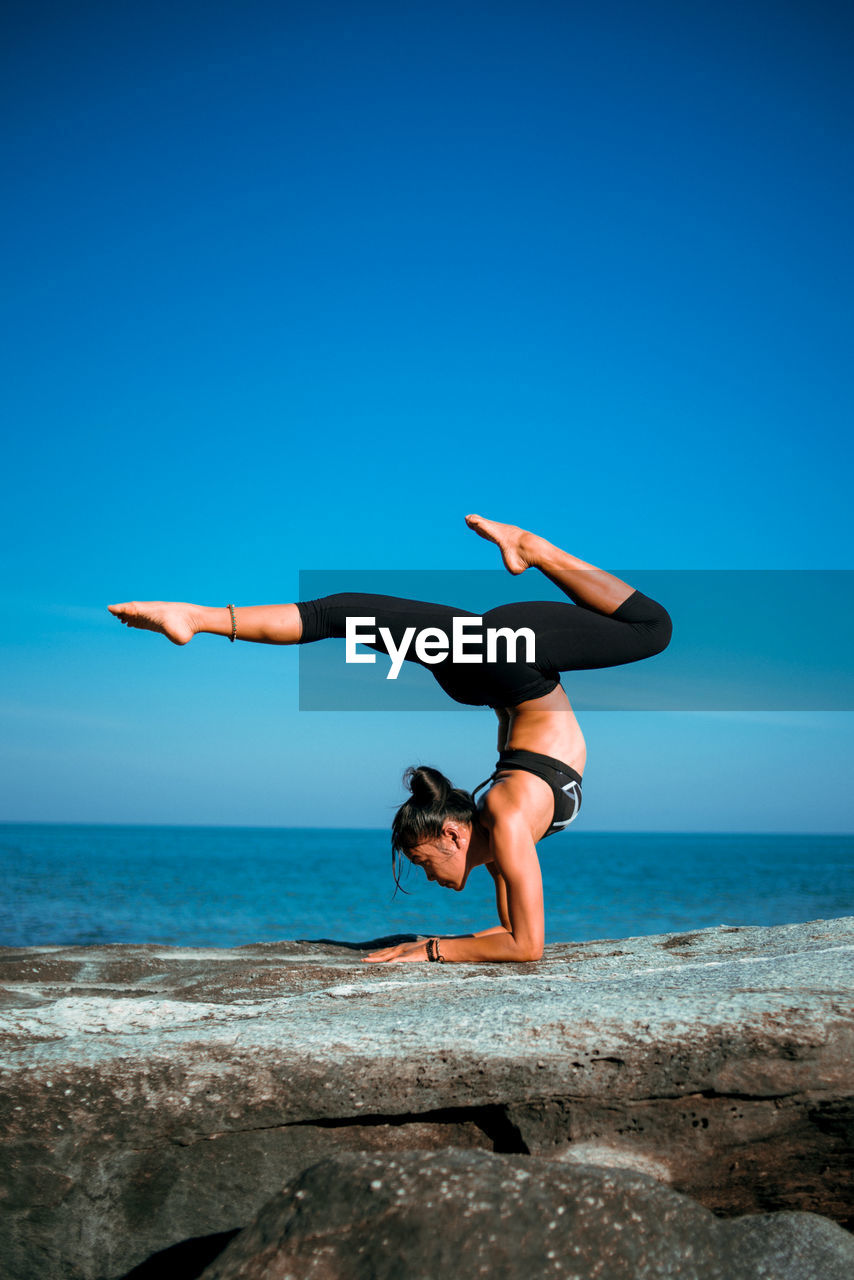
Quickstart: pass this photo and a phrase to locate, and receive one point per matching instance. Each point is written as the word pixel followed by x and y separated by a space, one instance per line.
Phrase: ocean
pixel 227 886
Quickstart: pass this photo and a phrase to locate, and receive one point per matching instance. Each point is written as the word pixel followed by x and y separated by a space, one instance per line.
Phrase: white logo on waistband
pixel 576 799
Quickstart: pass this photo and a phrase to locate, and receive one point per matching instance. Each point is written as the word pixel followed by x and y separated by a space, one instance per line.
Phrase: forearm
pixel 262 623
pixel 496 945
pixel 492 946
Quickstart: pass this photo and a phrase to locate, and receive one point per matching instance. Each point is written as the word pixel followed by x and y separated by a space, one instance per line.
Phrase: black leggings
pixel 568 637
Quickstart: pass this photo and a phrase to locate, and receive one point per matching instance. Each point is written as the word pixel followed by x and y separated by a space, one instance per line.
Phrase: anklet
pixel 233 623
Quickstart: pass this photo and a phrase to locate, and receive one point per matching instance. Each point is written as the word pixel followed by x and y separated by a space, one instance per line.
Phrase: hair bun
pixel 428 786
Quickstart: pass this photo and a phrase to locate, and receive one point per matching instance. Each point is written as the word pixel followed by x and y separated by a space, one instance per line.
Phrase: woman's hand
pixel 403 951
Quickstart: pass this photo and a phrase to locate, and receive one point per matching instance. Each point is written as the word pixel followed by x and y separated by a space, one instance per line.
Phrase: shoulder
pixel 504 802
pixel 512 819
pixel 518 798
pixel 512 839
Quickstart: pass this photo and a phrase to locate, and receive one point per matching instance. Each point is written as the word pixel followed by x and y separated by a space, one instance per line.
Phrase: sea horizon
pixel 79 884
pixel 262 826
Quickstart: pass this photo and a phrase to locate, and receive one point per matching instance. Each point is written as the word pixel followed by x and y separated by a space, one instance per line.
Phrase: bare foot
pixel 175 621
pixel 516 545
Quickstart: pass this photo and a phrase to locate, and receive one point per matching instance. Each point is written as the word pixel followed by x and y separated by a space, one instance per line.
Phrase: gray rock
pixel 149 1094
pixel 417 1216
pixel 792 1246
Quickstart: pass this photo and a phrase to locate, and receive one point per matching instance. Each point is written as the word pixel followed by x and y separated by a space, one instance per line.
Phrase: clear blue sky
pixel 296 286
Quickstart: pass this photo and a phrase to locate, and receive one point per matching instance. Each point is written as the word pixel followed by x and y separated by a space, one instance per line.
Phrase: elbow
pixel 529 954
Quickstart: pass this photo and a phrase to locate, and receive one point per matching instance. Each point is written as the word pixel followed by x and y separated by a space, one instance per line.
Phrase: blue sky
pixel 296 287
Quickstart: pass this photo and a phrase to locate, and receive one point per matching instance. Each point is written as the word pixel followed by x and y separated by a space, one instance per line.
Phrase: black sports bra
pixel 562 778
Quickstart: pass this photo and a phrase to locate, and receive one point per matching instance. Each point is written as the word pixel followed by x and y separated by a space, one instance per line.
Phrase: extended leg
pixel 179 622
pixel 284 623
pixel 583 583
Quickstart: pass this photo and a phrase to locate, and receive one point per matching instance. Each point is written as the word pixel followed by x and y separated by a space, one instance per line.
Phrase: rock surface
pixel 421 1215
pixel 153 1094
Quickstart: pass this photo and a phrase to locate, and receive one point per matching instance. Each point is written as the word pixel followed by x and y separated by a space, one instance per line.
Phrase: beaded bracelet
pixel 433 952
pixel 233 623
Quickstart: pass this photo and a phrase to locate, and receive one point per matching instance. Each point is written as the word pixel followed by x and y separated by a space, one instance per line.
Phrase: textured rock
pixel 150 1095
pixel 417 1216
pixel 792 1246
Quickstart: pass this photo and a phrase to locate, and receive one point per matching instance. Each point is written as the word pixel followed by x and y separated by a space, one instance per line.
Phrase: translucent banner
pixel 743 640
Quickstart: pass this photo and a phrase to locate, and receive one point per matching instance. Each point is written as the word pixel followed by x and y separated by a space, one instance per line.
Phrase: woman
pixel 535 790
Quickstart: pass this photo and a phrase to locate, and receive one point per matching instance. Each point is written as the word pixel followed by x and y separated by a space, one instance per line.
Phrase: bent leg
pixel 611 624
pixel 569 638
pixel 586 585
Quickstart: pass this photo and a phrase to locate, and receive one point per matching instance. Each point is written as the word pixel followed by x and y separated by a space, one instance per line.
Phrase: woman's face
pixel 444 859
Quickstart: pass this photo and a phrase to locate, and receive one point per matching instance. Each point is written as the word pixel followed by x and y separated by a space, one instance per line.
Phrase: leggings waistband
pixel 530 759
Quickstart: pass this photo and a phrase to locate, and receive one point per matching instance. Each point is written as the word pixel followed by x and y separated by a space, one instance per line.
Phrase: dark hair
pixel 433 802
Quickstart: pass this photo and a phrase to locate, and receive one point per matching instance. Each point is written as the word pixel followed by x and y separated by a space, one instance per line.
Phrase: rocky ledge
pixel 153 1095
